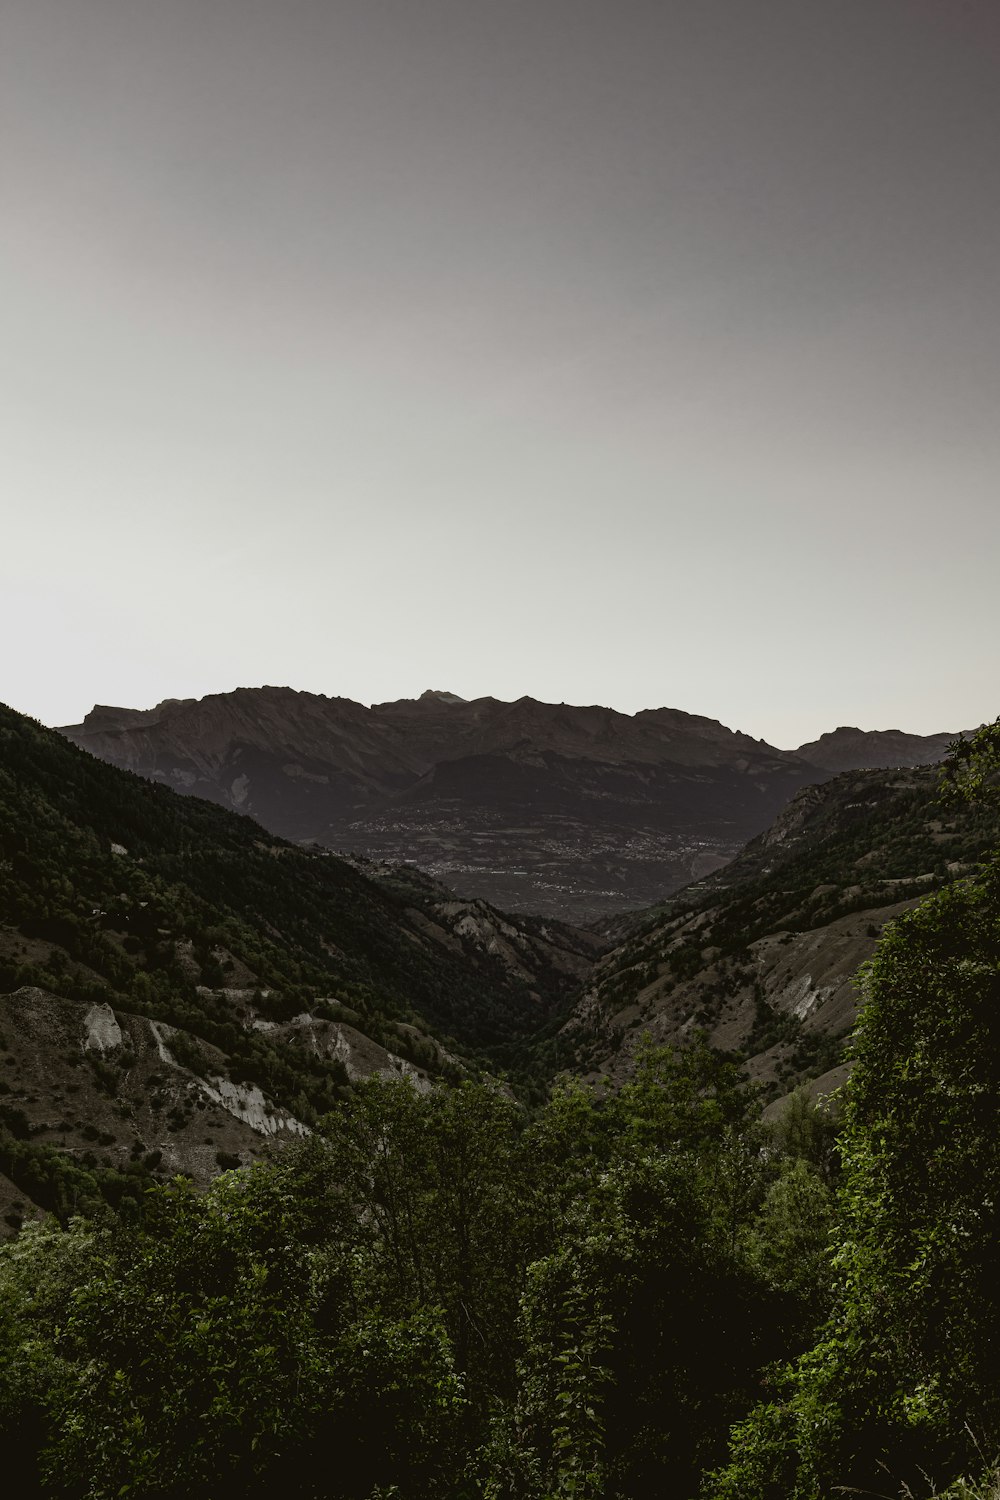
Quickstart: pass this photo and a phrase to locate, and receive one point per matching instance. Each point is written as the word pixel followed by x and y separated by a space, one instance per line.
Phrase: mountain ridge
pixel 573 811
pixel 851 749
pixel 566 810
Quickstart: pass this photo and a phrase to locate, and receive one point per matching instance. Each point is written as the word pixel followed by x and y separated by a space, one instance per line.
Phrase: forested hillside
pixel 762 955
pixel 280 974
pixel 441 1295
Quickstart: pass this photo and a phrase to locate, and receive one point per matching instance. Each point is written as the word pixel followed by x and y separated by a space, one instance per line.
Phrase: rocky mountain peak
pixel 437 695
pixel 849 748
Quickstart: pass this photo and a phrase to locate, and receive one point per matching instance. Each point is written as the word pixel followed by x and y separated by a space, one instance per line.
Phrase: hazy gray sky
pixel 631 353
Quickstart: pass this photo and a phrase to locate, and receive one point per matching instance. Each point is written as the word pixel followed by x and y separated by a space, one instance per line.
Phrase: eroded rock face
pixel 360 1055
pixel 102 1032
pixel 100 1083
pixel 247 1103
pixel 105 1087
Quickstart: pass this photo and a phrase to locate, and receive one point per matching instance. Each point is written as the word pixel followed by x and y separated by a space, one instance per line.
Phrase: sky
pixel 627 353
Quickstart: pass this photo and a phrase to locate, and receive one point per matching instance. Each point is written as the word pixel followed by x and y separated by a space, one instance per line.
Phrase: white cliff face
pixel 247 1103
pixel 101 1030
pixel 137 1091
pixel 480 925
pixel 239 791
pixel 362 1057
pixel 805 997
pixel 160 1032
pixel 244 1102
pixel 337 1041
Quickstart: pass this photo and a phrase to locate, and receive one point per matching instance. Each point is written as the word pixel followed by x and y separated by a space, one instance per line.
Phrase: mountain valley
pixel 571 812
pixel 185 988
pixel 226 1170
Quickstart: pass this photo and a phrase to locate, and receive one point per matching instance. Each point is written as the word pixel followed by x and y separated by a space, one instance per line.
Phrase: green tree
pixel 638 1342
pixel 791 1244
pixel 440 1211
pixel 905 1381
pixel 218 1349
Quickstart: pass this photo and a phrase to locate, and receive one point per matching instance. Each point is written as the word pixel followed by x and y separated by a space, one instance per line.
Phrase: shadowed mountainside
pixel 573 812
pixel 182 986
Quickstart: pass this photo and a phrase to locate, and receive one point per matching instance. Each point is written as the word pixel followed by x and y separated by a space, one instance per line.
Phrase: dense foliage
pixel 435 1295
pixel 903 1386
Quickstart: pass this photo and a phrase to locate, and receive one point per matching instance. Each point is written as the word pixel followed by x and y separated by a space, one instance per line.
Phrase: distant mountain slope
pixel 762 954
pixel 568 811
pixel 145 934
pixel 847 749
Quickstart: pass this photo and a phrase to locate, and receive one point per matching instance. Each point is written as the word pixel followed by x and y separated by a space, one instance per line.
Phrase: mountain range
pixel 180 988
pixel 570 812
